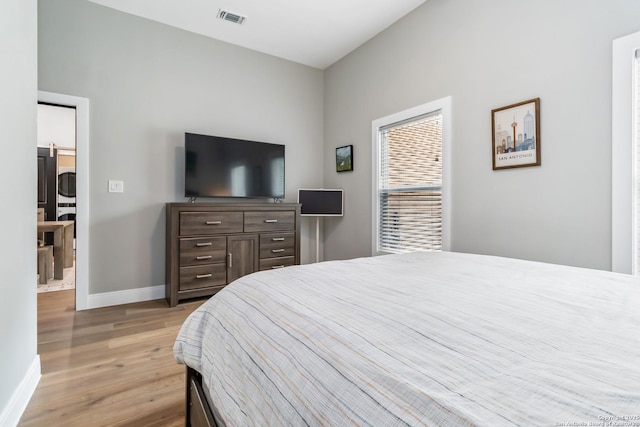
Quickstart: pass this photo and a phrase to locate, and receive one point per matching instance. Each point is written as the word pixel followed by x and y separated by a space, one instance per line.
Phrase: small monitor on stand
pixel 320 202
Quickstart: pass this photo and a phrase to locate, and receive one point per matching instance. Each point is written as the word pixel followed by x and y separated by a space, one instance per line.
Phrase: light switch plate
pixel 116 186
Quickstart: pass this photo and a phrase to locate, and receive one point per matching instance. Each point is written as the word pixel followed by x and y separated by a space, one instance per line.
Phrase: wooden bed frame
pixel 199 413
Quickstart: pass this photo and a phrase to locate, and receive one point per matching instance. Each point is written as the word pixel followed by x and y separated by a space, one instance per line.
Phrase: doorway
pixel 56 137
pixel 73 181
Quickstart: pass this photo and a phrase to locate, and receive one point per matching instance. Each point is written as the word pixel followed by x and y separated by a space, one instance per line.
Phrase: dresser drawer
pixel 196 223
pixel 202 276
pixel 202 250
pixel 277 245
pixel 269 221
pixel 274 263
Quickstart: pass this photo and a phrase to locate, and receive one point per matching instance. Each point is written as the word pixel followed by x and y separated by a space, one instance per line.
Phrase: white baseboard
pixel 21 397
pixel 128 296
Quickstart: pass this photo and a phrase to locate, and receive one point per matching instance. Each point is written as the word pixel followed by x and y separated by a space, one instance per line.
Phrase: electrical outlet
pixel 116 186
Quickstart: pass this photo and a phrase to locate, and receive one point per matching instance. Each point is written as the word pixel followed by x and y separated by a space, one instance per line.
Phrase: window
pixel 626 155
pixel 411 180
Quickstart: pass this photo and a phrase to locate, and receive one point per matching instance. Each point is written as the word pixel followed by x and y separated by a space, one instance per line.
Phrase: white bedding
pixel 444 339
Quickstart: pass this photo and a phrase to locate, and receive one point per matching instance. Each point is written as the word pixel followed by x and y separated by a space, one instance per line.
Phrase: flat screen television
pixel 320 202
pixel 217 166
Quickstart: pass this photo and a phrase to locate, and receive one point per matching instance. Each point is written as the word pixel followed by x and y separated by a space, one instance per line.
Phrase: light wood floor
pixel 111 366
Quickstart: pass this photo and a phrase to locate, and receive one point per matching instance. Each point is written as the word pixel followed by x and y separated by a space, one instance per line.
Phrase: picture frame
pixel 344 158
pixel 515 135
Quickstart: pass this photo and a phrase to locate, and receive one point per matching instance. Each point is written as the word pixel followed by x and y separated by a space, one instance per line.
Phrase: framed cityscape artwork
pixel 516 135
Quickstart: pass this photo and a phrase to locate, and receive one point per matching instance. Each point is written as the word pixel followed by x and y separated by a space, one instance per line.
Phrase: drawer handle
pixel 277 251
pixel 275 267
pixel 213 222
pixel 200 245
pixel 270 221
pixel 203 276
pixel 200 258
pixel 277 239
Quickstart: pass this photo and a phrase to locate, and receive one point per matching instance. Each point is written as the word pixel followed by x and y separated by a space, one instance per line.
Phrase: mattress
pixel 421 339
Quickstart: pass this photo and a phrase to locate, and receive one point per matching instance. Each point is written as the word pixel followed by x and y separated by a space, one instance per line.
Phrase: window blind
pixel 410 185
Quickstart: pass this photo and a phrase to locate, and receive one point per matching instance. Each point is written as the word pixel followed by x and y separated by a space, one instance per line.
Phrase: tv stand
pixel 211 244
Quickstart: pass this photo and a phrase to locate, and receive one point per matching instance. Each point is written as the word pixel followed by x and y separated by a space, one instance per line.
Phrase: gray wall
pixel 18 86
pixel 147 84
pixel 487 55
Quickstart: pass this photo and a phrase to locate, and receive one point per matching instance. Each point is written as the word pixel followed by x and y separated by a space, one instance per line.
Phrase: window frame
pixel 623 199
pixel 444 105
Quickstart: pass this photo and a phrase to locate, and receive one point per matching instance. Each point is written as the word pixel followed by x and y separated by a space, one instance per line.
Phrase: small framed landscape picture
pixel 344 158
pixel 516 135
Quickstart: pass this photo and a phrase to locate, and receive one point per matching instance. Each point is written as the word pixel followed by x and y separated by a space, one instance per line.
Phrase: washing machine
pixel 67 195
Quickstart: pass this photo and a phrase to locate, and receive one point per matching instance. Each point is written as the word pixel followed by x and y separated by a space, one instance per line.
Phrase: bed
pixel 421 339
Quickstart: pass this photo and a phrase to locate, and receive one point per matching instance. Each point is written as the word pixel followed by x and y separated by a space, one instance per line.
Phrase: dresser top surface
pixel 233 205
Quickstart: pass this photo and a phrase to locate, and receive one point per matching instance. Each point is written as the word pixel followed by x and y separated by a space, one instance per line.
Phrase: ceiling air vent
pixel 231 17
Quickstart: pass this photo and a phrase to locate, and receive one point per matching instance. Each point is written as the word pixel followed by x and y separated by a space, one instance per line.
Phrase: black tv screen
pixel 320 202
pixel 226 167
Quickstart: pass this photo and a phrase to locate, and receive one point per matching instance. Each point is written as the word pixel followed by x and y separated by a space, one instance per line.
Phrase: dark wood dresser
pixel 212 244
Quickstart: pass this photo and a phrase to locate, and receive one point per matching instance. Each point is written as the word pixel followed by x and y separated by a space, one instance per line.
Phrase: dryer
pixel 67 194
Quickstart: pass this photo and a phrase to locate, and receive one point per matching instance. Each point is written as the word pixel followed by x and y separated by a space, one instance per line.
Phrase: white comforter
pixel 443 339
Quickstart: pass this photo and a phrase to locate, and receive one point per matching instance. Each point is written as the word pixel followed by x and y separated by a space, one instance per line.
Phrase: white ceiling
pixel 312 32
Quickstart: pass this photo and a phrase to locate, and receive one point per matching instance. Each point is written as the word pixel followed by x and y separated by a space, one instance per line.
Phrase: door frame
pixel 82 189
